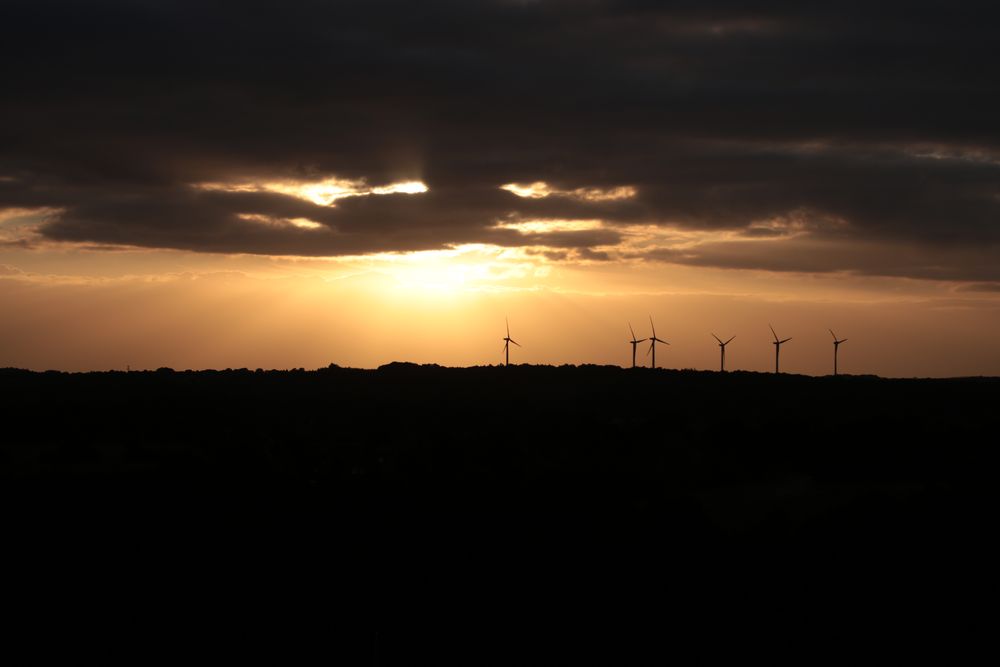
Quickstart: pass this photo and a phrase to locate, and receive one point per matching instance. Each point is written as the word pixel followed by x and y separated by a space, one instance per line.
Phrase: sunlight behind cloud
pixel 541 189
pixel 18 215
pixel 547 226
pixel 536 190
pixel 322 193
pixel 305 223
pixel 18 225
pixel 406 187
pixel 301 223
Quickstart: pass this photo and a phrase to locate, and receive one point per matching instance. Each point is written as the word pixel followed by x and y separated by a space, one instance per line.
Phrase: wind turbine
pixel 777 347
pixel 836 348
pixel 506 345
pixel 634 342
pixel 655 340
pixel 722 347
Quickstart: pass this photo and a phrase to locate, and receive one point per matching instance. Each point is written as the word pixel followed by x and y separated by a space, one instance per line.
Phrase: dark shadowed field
pixel 484 481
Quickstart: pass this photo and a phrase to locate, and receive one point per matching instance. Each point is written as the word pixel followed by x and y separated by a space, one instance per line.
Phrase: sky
pixel 298 183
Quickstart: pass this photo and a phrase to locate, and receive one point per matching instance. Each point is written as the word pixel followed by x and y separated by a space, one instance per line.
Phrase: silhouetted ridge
pixel 609 451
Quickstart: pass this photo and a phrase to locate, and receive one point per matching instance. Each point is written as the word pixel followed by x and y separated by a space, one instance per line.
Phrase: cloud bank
pixel 847 137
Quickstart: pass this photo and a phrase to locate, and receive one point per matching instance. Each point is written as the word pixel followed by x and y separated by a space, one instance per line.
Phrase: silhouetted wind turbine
pixel 836 348
pixel 634 342
pixel 655 340
pixel 722 347
pixel 777 347
pixel 506 345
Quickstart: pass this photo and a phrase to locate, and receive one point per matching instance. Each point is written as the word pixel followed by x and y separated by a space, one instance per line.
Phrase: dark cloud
pixel 262 222
pixel 880 116
pixel 808 254
pixel 593 255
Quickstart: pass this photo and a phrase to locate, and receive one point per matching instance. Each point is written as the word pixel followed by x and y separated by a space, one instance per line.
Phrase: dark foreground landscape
pixel 484 481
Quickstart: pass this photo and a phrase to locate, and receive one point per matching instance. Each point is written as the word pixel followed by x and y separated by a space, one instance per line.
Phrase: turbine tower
pixel 836 348
pixel 722 348
pixel 506 345
pixel 634 342
pixel 777 347
pixel 655 340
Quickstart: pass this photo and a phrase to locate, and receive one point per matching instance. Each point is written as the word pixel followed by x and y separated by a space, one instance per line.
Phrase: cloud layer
pixel 871 127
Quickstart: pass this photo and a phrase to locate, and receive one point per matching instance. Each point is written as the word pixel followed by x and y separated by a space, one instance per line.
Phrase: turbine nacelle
pixel 721 344
pixel 634 341
pixel 776 341
pixel 654 341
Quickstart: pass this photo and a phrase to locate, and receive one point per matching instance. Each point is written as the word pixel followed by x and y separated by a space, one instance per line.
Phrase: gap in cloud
pixel 548 226
pixel 18 226
pixel 324 192
pixel 301 223
pixel 541 189
pixel 405 187
pixel 17 216
pixel 798 222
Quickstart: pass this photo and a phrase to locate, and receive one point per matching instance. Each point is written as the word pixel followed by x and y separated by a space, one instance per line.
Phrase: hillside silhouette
pixel 734 455
pixel 491 477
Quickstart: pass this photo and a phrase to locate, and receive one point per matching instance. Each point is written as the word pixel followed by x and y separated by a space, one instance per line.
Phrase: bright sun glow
pixel 472 267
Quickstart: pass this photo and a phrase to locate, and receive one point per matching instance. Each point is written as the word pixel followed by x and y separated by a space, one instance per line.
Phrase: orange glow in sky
pixel 360 184
pixel 74 308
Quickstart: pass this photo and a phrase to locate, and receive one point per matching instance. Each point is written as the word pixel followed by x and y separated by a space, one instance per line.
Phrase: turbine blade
pixel 515 342
pixel 730 340
pixel 650 348
pixel 844 341
pixel 508 326
pixel 651 326
pixel 630 330
pixel 717 338
pixel 832 334
pixel 785 341
pixel 772 332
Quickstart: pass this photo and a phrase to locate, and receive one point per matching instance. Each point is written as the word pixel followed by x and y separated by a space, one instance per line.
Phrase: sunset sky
pixel 299 183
